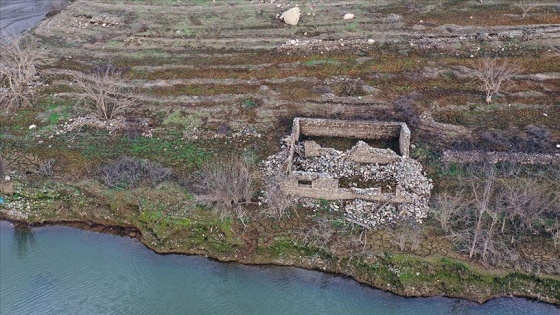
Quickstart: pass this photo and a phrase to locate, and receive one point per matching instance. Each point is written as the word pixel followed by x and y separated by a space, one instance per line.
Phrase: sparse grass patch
pixel 178 153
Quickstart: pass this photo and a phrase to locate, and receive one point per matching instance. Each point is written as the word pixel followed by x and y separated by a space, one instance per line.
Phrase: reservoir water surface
pixel 17 16
pixel 62 270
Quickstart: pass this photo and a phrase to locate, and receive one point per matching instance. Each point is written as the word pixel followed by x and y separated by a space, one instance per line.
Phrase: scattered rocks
pixel 394 18
pixel 113 125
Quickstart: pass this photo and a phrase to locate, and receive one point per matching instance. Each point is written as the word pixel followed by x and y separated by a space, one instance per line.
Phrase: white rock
pixel 371 41
pixel 558 146
pixel 348 16
pixel 32 127
pixel 291 16
pixel 7 178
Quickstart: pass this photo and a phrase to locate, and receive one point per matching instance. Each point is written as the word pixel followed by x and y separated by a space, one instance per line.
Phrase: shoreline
pixel 126 231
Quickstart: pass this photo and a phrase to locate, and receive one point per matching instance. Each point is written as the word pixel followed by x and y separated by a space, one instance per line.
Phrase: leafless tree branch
pixel 19 60
pixel 491 74
pixel 101 93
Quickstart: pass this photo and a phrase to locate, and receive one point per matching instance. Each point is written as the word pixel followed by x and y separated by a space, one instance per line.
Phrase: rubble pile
pixel 406 173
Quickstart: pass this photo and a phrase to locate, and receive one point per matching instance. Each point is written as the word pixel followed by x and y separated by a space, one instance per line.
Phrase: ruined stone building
pixel 362 168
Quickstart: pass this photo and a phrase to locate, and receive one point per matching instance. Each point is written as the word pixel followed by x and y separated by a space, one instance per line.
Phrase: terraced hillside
pixel 233 64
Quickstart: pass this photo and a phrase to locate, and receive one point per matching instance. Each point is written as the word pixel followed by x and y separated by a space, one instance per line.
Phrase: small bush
pixel 407 110
pixel 128 172
pixel 350 87
pixel 534 139
pixel 228 183
pixel 56 6
pixel 103 94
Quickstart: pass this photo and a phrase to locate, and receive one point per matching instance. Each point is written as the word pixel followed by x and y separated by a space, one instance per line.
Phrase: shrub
pixel 102 94
pixel 128 172
pixel 350 87
pixel 228 183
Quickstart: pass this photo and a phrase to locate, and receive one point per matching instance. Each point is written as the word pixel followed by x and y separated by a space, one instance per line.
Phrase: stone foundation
pixel 379 185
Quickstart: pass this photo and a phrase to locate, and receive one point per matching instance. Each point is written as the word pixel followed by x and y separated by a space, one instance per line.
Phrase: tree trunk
pixel 2 170
pixel 488 98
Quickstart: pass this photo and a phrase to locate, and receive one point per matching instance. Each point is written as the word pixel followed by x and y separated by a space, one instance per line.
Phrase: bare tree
pixel 102 94
pixel 525 6
pixel 320 234
pixel 500 205
pixel 525 203
pixel 556 234
pixel 19 60
pixel 445 207
pixel 482 190
pixel 276 203
pixel 491 74
pixel 228 183
pixel 408 233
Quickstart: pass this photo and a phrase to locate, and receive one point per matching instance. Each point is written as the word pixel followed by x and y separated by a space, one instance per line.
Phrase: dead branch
pixel 2 170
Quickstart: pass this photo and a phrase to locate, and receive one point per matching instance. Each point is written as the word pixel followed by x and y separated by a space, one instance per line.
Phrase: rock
pixel 394 18
pixel 291 16
pixel 371 41
pixel 32 126
pixel 348 16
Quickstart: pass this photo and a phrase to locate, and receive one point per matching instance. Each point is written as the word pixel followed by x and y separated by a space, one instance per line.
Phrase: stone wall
pixel 496 157
pixel 404 140
pixel 354 129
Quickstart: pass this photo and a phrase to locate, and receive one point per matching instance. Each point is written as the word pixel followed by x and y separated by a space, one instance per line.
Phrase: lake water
pixel 17 16
pixel 61 270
